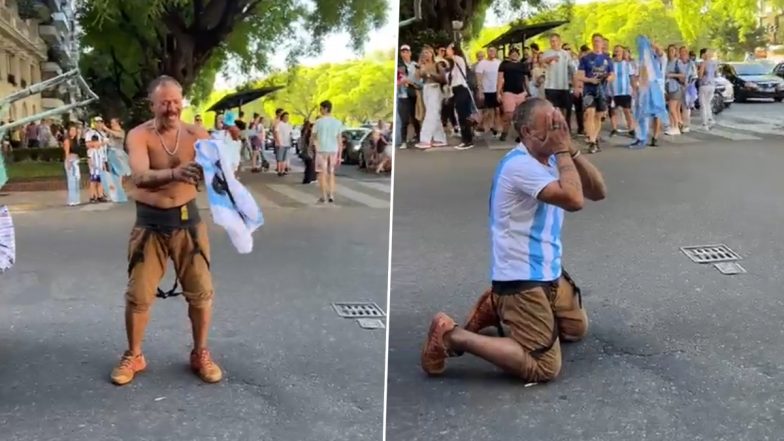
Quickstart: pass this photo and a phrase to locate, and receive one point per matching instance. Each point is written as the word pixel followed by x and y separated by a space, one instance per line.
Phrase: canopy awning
pixel 234 100
pixel 522 32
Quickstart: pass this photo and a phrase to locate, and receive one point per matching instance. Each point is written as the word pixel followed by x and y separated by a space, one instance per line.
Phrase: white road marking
pixel 734 136
pixel 292 193
pixel 263 200
pixel 679 139
pixel 362 198
pixel 763 129
pixel 440 149
pixel 97 207
pixel 758 118
pixel 379 186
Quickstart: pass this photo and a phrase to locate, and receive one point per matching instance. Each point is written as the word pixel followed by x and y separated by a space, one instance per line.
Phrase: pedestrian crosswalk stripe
pixel 761 118
pixel 292 193
pixel 501 147
pixel 763 129
pixel 734 136
pixel 680 139
pixel 362 198
pixel 97 207
pixel 263 200
pixel 441 149
pixel 379 186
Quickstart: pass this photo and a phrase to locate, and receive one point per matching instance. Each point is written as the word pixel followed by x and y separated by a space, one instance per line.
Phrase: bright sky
pixel 337 48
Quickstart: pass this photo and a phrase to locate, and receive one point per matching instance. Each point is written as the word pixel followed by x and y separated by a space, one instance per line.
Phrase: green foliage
pixel 128 43
pixel 436 24
pixel 730 26
pixel 359 90
pixel 49 154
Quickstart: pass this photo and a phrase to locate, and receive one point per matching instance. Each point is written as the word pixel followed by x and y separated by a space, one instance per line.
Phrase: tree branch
pixel 117 71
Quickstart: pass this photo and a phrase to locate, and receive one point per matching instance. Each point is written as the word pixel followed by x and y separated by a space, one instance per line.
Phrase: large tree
pixel 128 43
pixel 435 27
pixel 360 90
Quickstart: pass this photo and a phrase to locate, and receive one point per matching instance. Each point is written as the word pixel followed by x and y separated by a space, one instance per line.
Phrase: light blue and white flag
pixel 231 204
pixel 650 93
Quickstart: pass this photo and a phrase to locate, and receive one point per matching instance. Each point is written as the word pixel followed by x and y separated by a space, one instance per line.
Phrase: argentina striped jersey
pixel 525 233
pixel 622 84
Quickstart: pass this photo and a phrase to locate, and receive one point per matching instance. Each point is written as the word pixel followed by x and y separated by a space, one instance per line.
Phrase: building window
pixel 32 73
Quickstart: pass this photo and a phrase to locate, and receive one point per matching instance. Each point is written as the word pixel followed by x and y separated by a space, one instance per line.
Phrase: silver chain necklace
pixel 176 141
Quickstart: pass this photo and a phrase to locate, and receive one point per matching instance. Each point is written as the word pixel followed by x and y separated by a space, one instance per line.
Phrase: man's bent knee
pixel 199 301
pixel 544 368
pixel 137 305
pixel 573 329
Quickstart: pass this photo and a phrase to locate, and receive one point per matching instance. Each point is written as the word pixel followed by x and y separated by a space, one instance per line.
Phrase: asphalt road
pixel 675 351
pixel 293 369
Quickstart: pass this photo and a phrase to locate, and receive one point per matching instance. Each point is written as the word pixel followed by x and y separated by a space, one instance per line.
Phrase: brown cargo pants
pixel 149 251
pixel 539 319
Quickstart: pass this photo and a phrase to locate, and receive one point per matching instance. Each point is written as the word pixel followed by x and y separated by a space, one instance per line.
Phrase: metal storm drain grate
pixel 730 268
pixel 369 323
pixel 358 310
pixel 710 253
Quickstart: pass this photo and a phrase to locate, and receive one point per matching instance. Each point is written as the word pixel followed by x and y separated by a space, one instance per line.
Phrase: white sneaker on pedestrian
pixel 672 132
pixel 685 130
pixel 422 145
pixel 464 146
pixel 403 147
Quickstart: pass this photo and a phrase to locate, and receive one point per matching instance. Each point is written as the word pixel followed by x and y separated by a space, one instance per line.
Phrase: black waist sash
pixel 157 219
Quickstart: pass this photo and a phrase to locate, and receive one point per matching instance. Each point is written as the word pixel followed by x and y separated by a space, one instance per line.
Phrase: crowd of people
pixel 443 92
pixel 320 145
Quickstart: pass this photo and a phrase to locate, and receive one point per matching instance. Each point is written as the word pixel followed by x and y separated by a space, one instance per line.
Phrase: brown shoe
pixel 203 366
pixel 434 351
pixel 128 367
pixel 482 314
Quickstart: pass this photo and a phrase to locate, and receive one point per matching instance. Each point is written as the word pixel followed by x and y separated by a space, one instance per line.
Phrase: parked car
pixel 723 97
pixel 353 138
pixel 753 80
pixel 779 70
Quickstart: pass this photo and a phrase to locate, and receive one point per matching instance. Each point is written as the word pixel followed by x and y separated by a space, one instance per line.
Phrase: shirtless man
pixel 162 153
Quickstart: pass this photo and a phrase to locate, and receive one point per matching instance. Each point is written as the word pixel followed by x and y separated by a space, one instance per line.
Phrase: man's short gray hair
pixel 524 113
pixel 163 80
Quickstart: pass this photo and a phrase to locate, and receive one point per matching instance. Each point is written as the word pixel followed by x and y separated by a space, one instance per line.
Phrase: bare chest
pixel 167 151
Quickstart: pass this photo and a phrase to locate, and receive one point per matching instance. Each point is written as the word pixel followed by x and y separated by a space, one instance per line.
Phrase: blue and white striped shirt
pixel 525 233
pixel 622 85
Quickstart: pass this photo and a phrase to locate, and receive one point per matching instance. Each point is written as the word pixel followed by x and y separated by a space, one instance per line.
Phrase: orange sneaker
pixel 482 314
pixel 203 366
pixel 434 351
pixel 128 367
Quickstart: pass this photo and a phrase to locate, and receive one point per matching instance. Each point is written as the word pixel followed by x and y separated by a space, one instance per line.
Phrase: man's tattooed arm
pixel 139 160
pixel 591 178
pixel 567 191
pixel 569 179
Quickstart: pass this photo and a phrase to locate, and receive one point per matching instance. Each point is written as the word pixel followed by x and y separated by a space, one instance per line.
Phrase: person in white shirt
pixel 533 302
pixel 284 144
pixel 463 97
pixel 487 79
pixel 560 71
pixel 96 143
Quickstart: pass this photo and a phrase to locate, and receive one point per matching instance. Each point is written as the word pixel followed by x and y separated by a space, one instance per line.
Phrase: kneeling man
pixel 533 302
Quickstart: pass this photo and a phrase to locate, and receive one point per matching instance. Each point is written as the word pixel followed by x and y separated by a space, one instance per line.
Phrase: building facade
pixel 37 42
pixel 772 20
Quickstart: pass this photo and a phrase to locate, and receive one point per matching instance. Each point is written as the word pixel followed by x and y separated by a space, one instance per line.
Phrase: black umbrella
pixel 238 99
pixel 522 32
